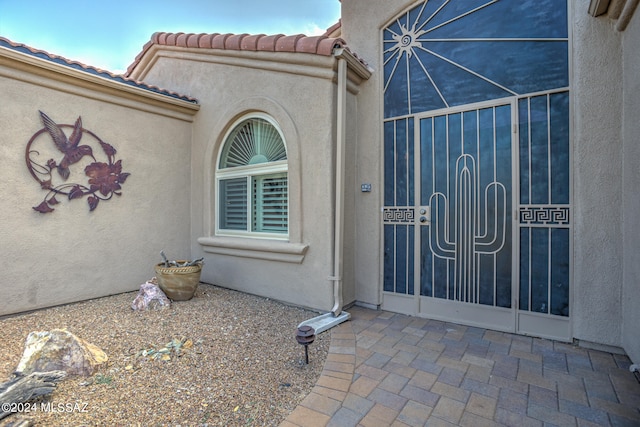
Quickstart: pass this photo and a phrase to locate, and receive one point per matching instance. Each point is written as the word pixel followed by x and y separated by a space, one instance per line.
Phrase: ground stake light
pixel 305 336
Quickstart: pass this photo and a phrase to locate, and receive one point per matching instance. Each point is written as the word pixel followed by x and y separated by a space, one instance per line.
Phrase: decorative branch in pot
pixel 178 279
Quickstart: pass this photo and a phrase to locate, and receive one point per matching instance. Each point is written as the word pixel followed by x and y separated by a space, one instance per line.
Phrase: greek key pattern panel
pixel 544 215
pixel 398 215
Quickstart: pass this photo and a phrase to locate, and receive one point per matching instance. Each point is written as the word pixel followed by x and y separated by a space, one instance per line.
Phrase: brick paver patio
pixel 387 369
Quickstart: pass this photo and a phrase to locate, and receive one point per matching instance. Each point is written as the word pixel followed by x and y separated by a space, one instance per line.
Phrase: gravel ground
pixel 239 363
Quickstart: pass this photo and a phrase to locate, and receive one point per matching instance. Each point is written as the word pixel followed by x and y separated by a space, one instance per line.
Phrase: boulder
pixel 59 350
pixel 150 296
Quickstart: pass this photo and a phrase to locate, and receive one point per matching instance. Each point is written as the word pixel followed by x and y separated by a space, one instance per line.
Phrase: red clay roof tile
pixel 181 40
pixel 192 40
pixel 288 43
pixel 234 41
pixel 171 38
pixel 268 43
pixel 325 47
pixel 250 42
pixel 218 42
pixel 308 44
pixel 204 41
pixel 334 29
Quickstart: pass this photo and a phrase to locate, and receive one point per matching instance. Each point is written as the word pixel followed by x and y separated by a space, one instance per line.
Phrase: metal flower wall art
pixel 65 149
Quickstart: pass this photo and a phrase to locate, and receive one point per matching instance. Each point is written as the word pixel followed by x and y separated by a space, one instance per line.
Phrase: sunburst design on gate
pixel 407 41
pixel 439 41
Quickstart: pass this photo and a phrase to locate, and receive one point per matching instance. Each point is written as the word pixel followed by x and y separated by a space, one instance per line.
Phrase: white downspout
pixel 338 239
pixel 336 315
pixel 626 14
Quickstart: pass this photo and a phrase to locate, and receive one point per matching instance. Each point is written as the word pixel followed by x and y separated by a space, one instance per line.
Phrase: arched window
pixel 252 180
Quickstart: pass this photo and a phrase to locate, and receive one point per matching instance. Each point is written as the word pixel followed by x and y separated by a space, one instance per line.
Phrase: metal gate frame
pixel 505 319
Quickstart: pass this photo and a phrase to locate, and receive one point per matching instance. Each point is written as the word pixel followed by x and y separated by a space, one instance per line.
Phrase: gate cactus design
pixel 470 224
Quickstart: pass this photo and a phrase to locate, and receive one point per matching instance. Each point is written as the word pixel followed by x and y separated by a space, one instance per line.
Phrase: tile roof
pixel 299 43
pixel 334 30
pixel 4 42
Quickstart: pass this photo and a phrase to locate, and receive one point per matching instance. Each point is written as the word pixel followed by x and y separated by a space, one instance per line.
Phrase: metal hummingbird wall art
pixel 65 158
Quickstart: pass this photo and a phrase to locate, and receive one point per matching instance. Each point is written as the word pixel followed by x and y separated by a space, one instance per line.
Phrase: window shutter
pixel 233 204
pixel 270 203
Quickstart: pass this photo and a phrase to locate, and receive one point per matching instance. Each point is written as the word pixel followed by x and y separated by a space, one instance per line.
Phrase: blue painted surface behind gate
pixel 445 54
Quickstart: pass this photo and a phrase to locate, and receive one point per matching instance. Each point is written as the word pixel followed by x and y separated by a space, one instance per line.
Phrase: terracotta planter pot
pixel 178 283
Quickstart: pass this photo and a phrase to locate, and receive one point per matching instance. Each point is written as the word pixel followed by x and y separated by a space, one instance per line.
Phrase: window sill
pixel 271 250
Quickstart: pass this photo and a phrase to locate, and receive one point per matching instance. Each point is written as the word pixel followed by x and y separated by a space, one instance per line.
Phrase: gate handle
pixel 423 219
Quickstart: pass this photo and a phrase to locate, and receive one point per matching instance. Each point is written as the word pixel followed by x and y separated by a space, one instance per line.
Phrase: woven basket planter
pixel 178 283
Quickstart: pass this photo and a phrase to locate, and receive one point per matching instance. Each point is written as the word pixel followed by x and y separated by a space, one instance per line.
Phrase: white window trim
pixel 274 167
pixel 267 249
pixel 249 171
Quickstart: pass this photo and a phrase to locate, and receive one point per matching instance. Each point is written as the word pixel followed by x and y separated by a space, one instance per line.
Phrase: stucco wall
pixel 631 184
pixel 361 24
pixel 353 198
pixel 298 91
pixel 597 141
pixel 72 254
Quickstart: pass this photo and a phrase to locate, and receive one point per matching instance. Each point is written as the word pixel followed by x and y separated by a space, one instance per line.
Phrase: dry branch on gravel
pixel 23 388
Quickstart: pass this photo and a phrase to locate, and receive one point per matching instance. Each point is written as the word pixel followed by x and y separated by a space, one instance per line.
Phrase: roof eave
pixel 81 79
pixel 302 64
pixel 356 65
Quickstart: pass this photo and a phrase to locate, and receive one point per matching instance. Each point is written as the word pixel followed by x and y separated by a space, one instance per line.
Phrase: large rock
pixel 59 350
pixel 150 296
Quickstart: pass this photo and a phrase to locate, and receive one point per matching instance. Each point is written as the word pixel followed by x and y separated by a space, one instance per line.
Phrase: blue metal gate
pixel 476 164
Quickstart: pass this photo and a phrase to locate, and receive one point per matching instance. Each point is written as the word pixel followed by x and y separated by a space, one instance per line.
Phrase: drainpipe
pixel 338 228
pixel 626 14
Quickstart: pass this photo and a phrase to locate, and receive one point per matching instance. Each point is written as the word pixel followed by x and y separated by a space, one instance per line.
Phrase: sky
pixel 109 34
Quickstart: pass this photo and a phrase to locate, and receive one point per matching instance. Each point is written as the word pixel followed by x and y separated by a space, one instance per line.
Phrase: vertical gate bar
pixel 515 198
pixel 395 203
pixel 529 270
pixel 406 266
pixel 395 165
pixel 549 199
pixel 463 268
pixel 407 203
pixel 394 287
pixel 529 145
pixel 445 233
pixel 476 258
pixel 433 190
pixel 417 202
pixel 529 189
pixel 549 272
pixel 406 144
pixel 495 175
